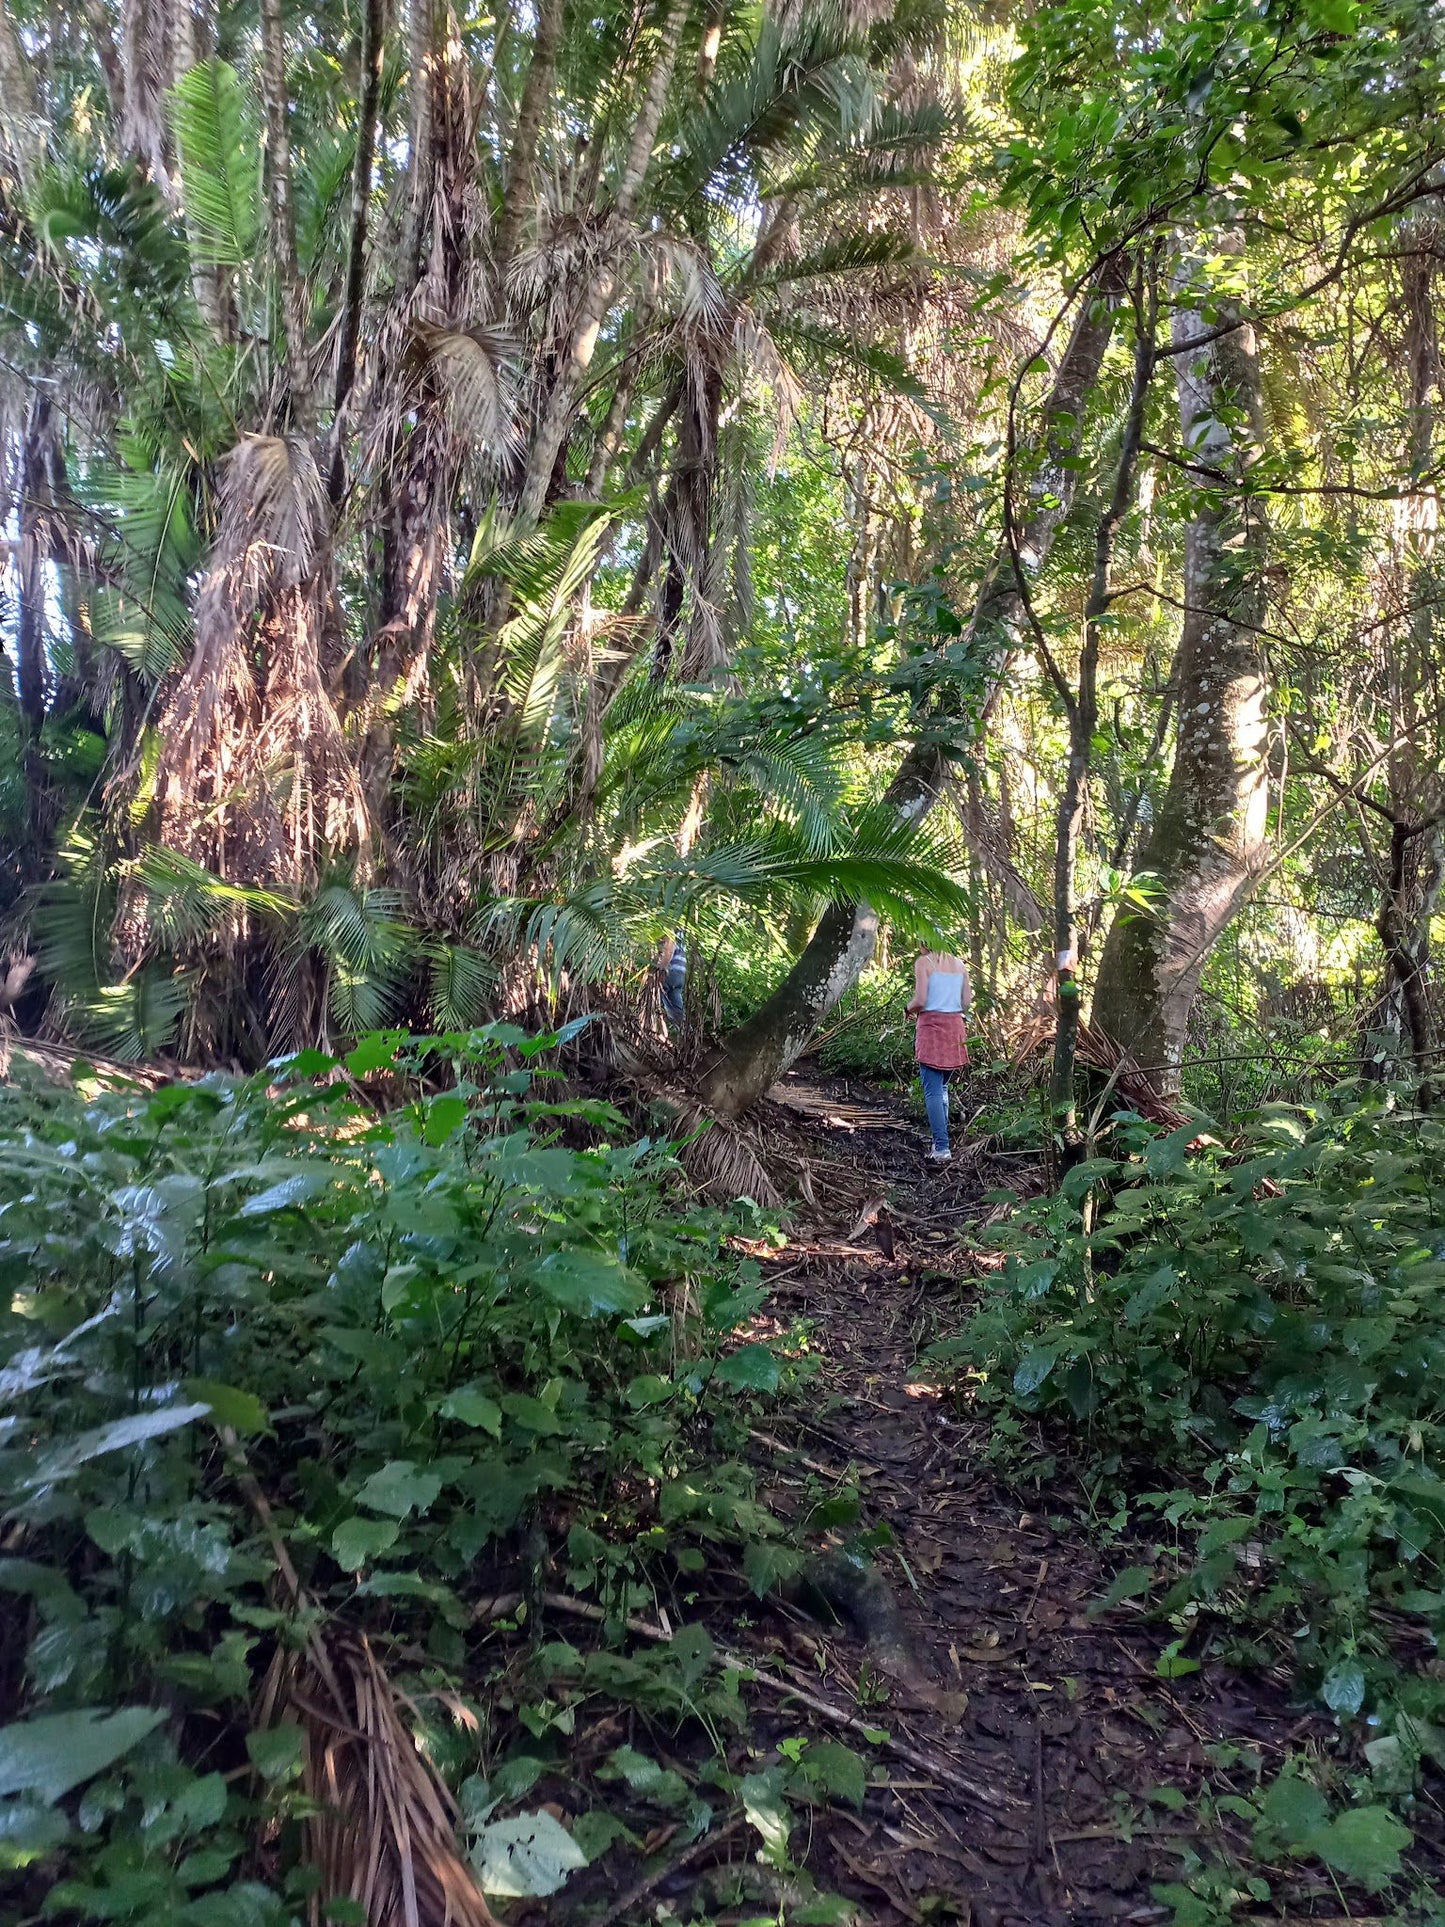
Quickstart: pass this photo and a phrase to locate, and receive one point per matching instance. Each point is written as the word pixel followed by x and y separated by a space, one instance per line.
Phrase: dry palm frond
pixel 472 369
pixel 382 1832
pixel 679 276
pixel 1034 1036
pixel 274 512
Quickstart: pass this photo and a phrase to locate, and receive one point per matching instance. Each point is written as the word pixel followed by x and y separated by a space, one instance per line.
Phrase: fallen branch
pixel 941 1773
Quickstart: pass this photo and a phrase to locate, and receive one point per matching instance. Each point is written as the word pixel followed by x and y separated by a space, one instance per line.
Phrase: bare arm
pixel 920 989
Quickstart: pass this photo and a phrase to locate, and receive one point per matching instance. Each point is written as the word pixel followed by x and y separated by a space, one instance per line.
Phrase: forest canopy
pixel 487 491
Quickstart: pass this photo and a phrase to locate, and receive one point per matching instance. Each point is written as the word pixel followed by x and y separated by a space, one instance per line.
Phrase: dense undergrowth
pixel 278 1366
pixel 1238 1347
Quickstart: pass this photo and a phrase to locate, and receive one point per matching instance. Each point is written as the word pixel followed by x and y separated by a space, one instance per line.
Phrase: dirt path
pixel 1037 1798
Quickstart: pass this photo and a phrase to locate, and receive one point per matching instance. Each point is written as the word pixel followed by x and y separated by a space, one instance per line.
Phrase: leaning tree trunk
pixel 775 1036
pixel 1209 836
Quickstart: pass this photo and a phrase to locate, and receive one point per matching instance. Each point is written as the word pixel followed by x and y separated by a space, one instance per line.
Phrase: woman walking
pixel 941 1000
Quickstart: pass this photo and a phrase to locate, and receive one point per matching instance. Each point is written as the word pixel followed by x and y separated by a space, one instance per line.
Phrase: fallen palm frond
pixel 381 1831
pixel 1033 1038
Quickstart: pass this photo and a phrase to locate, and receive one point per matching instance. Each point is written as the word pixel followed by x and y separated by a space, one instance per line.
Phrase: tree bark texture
pixel 283 215
pixel 1399 923
pixel 1083 713
pixel 559 410
pixel 757 1053
pixel 1209 836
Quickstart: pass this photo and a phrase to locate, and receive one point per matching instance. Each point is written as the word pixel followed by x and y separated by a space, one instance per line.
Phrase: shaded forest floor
pixel 1036 1768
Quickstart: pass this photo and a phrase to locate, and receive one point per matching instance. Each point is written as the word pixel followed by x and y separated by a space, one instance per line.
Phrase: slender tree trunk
pixel 1209 836
pixel 1398 924
pixel 22 134
pixel 520 193
pixel 757 1053
pixel 30 657
pixel 1083 713
pixel 1413 876
pixel 550 439
pixel 283 213
pixel 687 509
pixel 373 35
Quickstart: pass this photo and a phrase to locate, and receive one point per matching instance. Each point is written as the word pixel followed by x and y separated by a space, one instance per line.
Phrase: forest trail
pixel 1064 1785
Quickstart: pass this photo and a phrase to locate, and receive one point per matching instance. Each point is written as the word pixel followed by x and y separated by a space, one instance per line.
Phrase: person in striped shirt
pixel 672 970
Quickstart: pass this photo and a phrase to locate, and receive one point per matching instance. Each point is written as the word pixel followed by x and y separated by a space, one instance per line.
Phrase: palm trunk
pixel 372 48
pixel 521 186
pixel 558 413
pixel 1209 835
pixel 756 1054
pixel 283 215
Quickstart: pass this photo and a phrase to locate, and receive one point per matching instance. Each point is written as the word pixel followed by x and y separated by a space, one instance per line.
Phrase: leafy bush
pixel 1250 1341
pixel 249 1321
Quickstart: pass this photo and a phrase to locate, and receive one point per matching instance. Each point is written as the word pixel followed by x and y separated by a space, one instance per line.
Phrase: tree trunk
pixel 1083 713
pixel 761 1049
pixel 1209 836
pixel 372 49
pixel 550 439
pixel 520 192
pixel 1399 924
pixel 30 654
pixel 283 215
pixel 22 133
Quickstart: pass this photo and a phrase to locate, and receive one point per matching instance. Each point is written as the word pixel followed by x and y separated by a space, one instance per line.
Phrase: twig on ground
pixel 941 1773
pixel 621 1909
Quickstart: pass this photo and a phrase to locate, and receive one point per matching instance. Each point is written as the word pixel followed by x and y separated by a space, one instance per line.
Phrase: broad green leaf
pixel 374 1052
pixel 1344 1688
pixel 356 1541
pixel 1131 1583
pixel 767 1811
pixel 1294 1808
pixel 229 1405
pixel 50 1755
pixel 1363 1844
pixel 119 1436
pixel 471 1407
pixel 400 1488
pixel 443 1116
pixel 662 1786
pixel 1034 1367
pixel 526 1858
pixel 649 1389
pixel 288 1195
pixel 751 1368
pixel 835 1769
pixel 588 1283
pixel 275 1751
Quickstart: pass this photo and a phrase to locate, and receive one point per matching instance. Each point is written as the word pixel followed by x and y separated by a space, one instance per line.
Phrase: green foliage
pixel 1250 1337
pixel 220 159
pixel 433 1330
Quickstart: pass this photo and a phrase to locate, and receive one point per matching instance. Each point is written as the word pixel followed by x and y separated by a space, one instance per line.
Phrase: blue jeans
pixel 935 1102
pixel 672 1007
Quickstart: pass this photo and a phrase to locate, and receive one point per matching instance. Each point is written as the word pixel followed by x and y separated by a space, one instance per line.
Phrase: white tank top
pixel 945 990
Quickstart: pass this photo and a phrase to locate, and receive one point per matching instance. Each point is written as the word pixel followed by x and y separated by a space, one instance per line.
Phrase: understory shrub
pixel 1241 1346
pixel 478 1340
